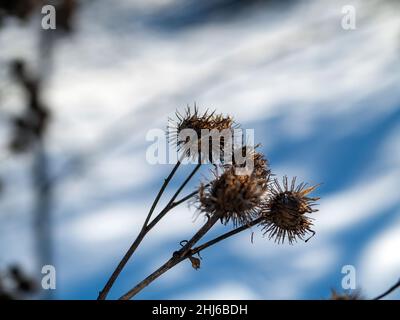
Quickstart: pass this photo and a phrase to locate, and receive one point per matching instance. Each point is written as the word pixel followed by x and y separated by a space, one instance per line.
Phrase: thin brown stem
pixel 225 236
pixel 103 293
pixel 147 227
pixel 155 202
pixel 160 271
pixel 389 291
pixel 177 257
pixel 170 204
pixel 185 198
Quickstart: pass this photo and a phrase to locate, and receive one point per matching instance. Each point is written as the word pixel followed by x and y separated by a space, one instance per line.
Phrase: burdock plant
pixel 240 195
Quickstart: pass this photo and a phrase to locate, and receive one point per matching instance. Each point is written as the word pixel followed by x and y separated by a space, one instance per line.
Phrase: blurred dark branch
pixel 66 10
pixel 31 127
pixel 389 291
pixel 29 133
pixel 21 9
pixel 42 206
pixel 15 284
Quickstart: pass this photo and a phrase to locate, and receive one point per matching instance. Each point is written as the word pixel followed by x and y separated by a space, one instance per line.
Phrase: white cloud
pixel 366 199
pixel 100 238
pixel 390 152
pixel 380 262
pixel 285 270
pixel 105 225
pixel 301 66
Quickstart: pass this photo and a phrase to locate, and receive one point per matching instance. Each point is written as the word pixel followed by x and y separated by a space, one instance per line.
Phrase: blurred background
pixel 77 102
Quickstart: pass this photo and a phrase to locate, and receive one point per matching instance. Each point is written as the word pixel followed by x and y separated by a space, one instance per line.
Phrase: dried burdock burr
pixel 252 162
pixel 358 295
pixel 191 132
pixel 345 296
pixel 232 197
pixel 247 200
pixel 240 192
pixel 285 211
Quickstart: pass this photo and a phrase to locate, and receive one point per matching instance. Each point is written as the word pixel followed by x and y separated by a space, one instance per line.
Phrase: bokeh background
pixel 324 103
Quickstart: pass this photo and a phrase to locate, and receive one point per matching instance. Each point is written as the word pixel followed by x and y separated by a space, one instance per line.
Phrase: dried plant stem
pixel 389 291
pixel 184 199
pixel 159 194
pixel 225 236
pixel 103 293
pixel 164 268
pixel 177 257
pixel 147 227
pixel 171 204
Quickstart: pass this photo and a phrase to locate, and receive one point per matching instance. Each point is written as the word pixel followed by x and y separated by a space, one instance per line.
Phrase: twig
pixel 387 292
pixel 187 252
pixel 225 235
pixel 184 199
pixel 177 257
pixel 166 181
pixel 103 293
pixel 169 206
pixel 147 227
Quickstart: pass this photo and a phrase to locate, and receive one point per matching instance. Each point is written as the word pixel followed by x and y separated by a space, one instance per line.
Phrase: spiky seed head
pixel 246 155
pixel 285 211
pixel 345 296
pixel 232 197
pixel 196 121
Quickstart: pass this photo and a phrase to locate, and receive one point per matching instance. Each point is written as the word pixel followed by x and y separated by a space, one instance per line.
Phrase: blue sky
pixel 324 103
